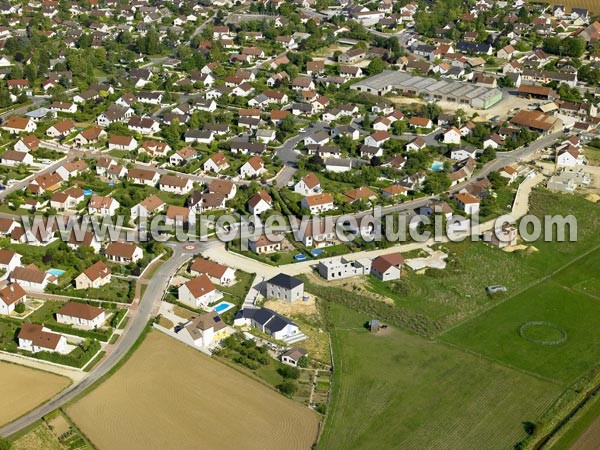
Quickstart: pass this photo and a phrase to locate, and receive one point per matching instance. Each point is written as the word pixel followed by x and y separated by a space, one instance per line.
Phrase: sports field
pixel 22 389
pixel 399 390
pixel 171 396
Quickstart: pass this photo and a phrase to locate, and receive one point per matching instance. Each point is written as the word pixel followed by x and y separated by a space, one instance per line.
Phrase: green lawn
pixel 495 333
pixel 403 391
pixel 477 382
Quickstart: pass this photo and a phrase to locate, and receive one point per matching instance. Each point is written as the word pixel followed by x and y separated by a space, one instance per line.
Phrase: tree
pixel 436 182
pixel 287 388
pixel 288 124
pixel 289 372
pixel 375 66
pixel 20 308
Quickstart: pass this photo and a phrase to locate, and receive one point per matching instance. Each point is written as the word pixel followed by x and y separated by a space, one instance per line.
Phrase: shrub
pixel 289 372
pixel 20 307
pixel 287 388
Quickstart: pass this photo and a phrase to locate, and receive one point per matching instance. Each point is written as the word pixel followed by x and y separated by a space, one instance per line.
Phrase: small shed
pixel 374 326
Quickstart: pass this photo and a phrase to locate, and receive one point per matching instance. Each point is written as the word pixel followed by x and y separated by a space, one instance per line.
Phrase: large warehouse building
pixel 477 97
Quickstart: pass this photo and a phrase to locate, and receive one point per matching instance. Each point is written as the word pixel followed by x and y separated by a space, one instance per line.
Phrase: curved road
pixel 134 329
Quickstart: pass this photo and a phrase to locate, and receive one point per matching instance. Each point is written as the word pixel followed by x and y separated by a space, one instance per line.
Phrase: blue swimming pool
pixel 316 252
pixel 300 257
pixel 56 272
pixel 437 166
pixel 222 307
pixel 87 192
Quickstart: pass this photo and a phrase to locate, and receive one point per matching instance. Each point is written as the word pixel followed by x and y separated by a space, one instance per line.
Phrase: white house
pixel 175 184
pixel 122 143
pixel 318 203
pixel 387 267
pixel 199 292
pixel 217 273
pixel 95 276
pixel 467 203
pixel 309 185
pixel 254 167
pixel 216 163
pixel 10 296
pixel 452 136
pixel 463 153
pixel 31 277
pixel 15 158
pixel 260 202
pixel 570 157
pixel 36 338
pixel 81 315
pixel 123 252
pixel 102 206
pixel 9 260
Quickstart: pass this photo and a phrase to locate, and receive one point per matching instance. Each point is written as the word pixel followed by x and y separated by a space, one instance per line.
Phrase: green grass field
pixel 404 391
pixel 495 334
pixel 477 381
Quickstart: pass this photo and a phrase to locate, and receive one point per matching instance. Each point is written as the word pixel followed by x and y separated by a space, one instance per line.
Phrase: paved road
pixel 287 153
pixel 139 319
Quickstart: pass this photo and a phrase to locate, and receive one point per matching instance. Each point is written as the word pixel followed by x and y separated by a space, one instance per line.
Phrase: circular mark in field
pixel 543 333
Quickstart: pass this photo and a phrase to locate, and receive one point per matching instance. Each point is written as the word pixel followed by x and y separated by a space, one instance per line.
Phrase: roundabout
pixel 543 333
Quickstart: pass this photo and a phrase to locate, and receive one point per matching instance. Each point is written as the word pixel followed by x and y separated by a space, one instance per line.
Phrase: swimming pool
pixel 87 192
pixel 56 272
pixel 316 252
pixel 300 257
pixel 222 307
pixel 437 166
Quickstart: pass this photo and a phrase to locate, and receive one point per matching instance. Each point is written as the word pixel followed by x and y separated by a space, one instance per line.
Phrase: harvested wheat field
pixel 592 5
pixel 22 389
pixel 170 396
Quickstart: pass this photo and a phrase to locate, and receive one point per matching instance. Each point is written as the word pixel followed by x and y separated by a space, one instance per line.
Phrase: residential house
pixel 318 203
pixel 260 202
pixel 36 338
pixel 116 142
pixel 148 207
pixel 175 184
pixel 263 245
pixel 123 252
pixel 10 296
pixel 81 315
pixel 31 277
pixel 252 168
pixel 95 276
pixel 467 203
pixel 284 287
pixel 102 206
pixel 217 273
pixel 199 292
pixel 207 329
pixel 387 267
pixel 216 163
pixel 309 185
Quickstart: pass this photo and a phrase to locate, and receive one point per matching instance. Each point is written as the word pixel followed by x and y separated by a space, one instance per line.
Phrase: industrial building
pixel 478 97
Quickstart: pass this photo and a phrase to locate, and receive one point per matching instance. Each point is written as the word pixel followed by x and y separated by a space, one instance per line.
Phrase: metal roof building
pixel 464 93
